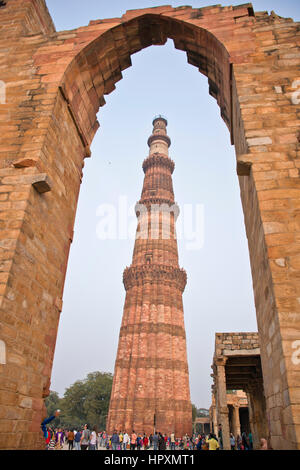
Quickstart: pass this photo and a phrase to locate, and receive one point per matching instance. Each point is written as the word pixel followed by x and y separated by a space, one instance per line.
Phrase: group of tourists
pixel 86 439
pixel 243 442
pixel 140 441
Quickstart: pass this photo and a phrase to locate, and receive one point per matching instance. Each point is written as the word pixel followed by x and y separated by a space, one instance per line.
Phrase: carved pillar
pixel 222 408
pixel 236 420
pixel 214 427
pixel 213 410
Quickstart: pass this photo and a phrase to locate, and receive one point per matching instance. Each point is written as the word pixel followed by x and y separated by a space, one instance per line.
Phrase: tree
pixel 194 412
pixel 96 406
pixel 53 403
pixel 87 401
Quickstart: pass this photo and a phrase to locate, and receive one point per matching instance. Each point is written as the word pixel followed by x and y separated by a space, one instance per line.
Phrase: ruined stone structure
pixel 202 425
pixel 238 413
pixel 52 84
pixel 237 366
pixel 151 381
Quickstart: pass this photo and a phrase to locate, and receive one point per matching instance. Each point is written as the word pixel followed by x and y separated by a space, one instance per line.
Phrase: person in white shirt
pixel 126 440
pixel 93 440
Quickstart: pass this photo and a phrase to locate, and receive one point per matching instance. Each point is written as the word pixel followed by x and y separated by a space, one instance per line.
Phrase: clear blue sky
pixel 218 295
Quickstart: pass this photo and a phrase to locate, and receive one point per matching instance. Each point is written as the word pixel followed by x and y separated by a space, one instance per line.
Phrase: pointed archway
pixel 56 83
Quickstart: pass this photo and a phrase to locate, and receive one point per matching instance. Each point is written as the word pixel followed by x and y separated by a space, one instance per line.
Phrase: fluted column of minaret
pixel 151 382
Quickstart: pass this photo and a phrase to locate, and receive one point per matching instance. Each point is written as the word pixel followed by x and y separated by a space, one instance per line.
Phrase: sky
pixel 218 296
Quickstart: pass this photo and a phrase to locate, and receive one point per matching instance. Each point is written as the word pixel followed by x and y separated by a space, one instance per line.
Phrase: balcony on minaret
pixel 159 141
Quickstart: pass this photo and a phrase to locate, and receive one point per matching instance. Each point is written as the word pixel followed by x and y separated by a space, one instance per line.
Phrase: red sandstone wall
pixel 36 228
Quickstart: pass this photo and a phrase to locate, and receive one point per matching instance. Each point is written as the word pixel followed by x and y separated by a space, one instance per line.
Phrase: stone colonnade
pixel 237 366
pixel 235 401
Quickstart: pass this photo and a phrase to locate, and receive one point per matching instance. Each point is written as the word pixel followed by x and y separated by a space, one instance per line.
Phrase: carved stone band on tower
pixel 151 380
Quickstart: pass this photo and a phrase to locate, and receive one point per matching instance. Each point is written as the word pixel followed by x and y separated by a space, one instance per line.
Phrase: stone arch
pixel 251 63
pixel 98 75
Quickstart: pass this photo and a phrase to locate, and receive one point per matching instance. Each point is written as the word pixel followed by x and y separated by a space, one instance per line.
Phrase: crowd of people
pixel 86 439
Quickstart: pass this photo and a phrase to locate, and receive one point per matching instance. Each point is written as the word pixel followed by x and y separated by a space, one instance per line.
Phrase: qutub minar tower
pixel 151 380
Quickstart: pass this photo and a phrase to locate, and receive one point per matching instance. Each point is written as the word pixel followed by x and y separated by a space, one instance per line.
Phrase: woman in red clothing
pixel 145 442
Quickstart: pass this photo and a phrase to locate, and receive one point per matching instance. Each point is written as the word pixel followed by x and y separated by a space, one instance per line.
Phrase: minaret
pixel 151 381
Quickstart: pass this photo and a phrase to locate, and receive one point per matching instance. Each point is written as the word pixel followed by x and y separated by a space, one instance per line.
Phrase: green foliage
pixel 53 403
pixel 194 412
pixel 86 401
pixel 199 428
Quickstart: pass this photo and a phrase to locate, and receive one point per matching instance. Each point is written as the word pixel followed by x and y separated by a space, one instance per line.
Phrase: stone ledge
pixel 241 352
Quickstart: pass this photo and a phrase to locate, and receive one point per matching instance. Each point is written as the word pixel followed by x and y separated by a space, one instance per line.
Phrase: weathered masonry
pixel 51 87
pixel 237 412
pixel 237 366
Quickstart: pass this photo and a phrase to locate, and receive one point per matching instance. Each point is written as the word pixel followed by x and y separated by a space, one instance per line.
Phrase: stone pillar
pixel 236 421
pixel 257 412
pixel 214 427
pixel 222 408
pixel 252 423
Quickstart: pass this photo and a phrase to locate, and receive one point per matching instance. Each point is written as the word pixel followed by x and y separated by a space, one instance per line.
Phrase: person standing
pixel 250 441
pixel 145 442
pixel 125 440
pixel 245 441
pixel 103 439
pixel 52 440
pixel 121 437
pixel 172 441
pixel 115 441
pixel 199 443
pixel 77 440
pixel 213 442
pixel 133 440
pixel 155 441
pixel 161 442
pixel 232 441
pixel 220 436
pixel 93 439
pixel 205 445
pixel 71 438
pixel 85 438
pixel 59 439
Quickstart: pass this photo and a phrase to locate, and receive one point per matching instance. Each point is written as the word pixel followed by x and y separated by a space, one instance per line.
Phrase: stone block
pixel 41 183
